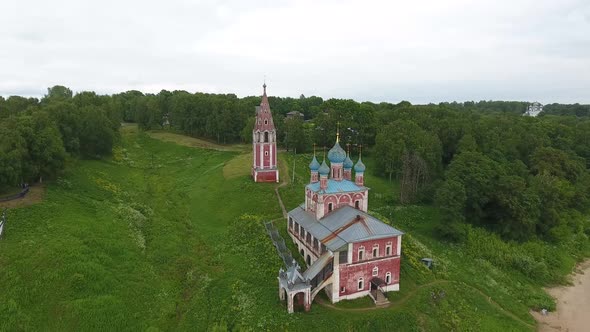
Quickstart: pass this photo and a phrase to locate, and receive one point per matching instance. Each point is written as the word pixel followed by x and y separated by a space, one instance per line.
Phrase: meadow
pixel 165 236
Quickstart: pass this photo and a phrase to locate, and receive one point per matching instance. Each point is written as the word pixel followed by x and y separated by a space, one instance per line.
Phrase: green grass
pixel 157 238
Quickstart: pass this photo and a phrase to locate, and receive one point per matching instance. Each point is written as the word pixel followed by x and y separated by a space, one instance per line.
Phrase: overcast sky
pixel 421 51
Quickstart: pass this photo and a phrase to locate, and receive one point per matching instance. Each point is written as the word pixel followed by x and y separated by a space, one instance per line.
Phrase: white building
pixel 534 109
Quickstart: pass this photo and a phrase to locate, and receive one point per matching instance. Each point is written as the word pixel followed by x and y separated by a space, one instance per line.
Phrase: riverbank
pixel 573 304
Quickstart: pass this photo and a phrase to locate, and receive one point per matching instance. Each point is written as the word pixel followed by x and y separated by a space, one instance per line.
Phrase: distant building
pixel 295 115
pixel 264 144
pixel 348 253
pixel 534 109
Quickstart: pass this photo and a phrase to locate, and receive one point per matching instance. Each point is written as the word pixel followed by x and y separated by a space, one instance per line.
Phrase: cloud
pixel 422 51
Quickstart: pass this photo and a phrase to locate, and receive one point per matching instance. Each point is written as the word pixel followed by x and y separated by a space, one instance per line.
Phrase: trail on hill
pixel 413 292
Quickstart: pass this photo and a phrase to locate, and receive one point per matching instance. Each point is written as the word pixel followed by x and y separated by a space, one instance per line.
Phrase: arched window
pixel 357 204
pixel 361 284
pixel 265 122
pixel 376 251
pixel 387 277
pixel 308 238
pixel 375 271
pixel 330 207
pixel 361 254
pixel 388 249
pixel 265 135
pixel 290 222
pixel 308 260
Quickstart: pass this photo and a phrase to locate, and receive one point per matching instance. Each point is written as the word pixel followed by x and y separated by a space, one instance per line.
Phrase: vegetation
pixel 137 232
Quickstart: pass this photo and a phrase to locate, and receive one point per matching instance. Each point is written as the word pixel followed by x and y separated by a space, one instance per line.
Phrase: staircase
pixel 379 298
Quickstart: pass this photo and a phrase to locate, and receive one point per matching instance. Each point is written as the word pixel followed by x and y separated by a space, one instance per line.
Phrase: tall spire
pixel 338 132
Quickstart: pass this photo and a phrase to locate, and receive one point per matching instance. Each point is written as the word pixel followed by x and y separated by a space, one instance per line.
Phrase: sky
pixel 421 51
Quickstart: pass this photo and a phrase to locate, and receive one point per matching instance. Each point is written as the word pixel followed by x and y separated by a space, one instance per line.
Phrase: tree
pixel 97 136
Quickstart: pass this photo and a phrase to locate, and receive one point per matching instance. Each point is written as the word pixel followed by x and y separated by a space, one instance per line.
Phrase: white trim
pixel 360 283
pixel 388 275
pixel 375 271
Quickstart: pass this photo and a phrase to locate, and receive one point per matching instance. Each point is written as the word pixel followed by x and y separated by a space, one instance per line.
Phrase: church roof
pixel 342 226
pixel 314 165
pixel 348 162
pixel 324 169
pixel 334 187
pixel 264 120
pixel 359 167
pixel 336 153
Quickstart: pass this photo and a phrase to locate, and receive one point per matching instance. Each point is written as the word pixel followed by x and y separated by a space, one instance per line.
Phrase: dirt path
pixel 35 195
pixel 573 304
pixel 415 290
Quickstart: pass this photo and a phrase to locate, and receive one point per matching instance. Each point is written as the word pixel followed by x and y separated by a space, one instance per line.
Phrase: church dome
pixel 324 169
pixel 359 167
pixel 314 165
pixel 336 153
pixel 348 162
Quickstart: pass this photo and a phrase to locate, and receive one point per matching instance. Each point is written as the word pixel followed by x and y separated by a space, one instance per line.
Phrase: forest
pixel 482 163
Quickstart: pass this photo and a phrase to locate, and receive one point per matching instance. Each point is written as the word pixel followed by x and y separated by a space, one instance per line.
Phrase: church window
pixel 376 251
pixel 290 222
pixel 266 153
pixel 361 253
pixel 308 238
pixel 265 134
pixel 387 277
pixel 342 289
pixel 388 249
pixel 302 232
pixel 316 244
pixel 361 284
pixel 343 259
pixel 375 271
pixel 357 204
pixel 330 207
pixel 265 122
pixel 296 228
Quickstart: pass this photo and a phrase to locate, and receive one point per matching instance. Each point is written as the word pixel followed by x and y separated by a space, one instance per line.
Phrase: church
pixel 264 144
pixel 348 253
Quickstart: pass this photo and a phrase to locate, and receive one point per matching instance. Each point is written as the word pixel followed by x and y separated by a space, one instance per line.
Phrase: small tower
pixel 348 165
pixel 324 170
pixel 359 172
pixel 264 144
pixel 337 155
pixel 314 166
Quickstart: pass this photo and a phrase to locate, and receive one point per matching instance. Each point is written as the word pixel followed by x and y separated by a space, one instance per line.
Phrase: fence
pixel 2 222
pixel 15 196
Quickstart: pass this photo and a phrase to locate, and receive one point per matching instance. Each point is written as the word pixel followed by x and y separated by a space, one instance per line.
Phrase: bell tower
pixel 264 144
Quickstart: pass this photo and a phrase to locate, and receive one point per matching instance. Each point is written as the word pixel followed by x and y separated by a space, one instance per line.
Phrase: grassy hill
pixel 167 236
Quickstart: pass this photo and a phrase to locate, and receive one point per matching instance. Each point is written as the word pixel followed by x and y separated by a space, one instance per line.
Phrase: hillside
pixel 157 238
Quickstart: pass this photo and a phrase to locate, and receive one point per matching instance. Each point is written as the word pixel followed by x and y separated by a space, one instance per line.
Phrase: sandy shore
pixel 573 304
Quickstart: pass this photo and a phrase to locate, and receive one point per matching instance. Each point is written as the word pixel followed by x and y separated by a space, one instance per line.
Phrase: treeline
pixel 519 176
pixel 36 136
pixel 566 109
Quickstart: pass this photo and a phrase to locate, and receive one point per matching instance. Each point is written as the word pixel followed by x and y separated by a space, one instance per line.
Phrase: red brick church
pixel 264 144
pixel 348 252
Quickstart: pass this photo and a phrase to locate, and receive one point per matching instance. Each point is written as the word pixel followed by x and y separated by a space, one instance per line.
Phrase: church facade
pixel 348 252
pixel 264 144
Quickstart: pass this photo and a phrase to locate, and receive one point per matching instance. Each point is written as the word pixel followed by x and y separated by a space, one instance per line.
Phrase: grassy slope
pixel 141 242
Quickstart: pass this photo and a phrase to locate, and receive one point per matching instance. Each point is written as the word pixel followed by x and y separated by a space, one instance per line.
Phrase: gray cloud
pixel 422 51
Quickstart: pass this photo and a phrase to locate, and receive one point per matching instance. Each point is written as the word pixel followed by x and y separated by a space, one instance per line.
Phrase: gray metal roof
pixel 342 226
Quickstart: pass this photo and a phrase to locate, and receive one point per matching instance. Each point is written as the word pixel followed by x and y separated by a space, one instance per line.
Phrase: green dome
pixel 324 169
pixel 336 154
pixel 348 162
pixel 359 167
pixel 314 165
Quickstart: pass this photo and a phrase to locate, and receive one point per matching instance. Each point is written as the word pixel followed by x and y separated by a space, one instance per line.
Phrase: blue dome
pixel 359 167
pixel 348 162
pixel 324 169
pixel 314 165
pixel 336 154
